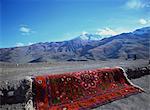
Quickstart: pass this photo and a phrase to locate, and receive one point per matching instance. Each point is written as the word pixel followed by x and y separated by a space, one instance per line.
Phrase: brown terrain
pixel 137 70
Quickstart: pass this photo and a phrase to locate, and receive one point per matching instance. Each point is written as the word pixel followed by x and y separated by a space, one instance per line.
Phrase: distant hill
pixel 82 48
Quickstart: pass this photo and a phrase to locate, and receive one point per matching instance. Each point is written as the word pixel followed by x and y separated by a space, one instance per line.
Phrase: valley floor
pixel 10 71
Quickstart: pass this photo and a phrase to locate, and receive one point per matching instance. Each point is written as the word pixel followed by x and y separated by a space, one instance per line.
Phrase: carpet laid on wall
pixel 81 90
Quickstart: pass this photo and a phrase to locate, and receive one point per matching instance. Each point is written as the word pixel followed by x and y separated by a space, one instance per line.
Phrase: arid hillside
pixel 133 45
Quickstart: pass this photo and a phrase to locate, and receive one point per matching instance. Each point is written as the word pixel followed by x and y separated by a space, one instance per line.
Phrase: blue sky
pixel 24 22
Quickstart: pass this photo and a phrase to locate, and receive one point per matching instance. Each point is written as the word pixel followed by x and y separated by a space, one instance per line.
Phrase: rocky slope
pixel 82 48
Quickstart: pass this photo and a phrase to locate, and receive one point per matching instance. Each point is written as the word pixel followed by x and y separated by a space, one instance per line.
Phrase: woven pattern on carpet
pixel 81 90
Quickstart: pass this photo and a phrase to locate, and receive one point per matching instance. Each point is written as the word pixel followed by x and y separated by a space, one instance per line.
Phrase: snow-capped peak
pixel 86 36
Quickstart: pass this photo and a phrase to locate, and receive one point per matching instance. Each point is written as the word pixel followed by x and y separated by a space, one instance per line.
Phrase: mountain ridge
pixel 125 45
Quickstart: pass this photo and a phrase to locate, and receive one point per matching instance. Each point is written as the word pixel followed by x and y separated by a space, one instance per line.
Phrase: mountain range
pixel 83 48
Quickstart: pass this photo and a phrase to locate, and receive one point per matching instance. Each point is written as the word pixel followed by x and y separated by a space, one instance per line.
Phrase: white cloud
pixel 19 44
pixel 136 4
pixel 143 21
pixel 25 30
pixel 84 32
pixel 30 43
pixel 123 30
pixel 106 32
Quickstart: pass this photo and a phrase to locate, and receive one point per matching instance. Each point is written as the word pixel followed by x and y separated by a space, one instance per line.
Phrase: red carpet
pixel 81 90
